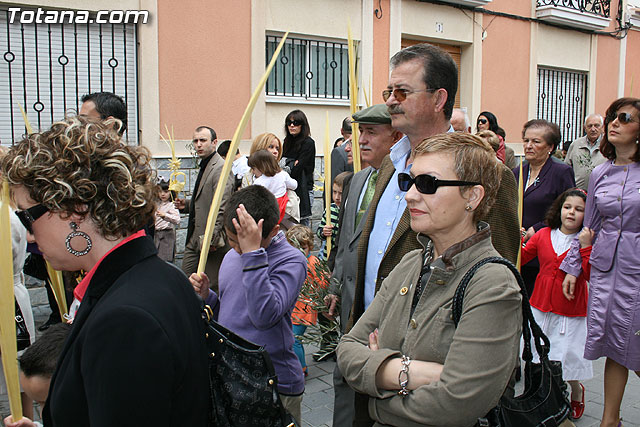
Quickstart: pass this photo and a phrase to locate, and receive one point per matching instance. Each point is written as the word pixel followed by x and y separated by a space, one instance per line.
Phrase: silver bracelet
pixel 403 376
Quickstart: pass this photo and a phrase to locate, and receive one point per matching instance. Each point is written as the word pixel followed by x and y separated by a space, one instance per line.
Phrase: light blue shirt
pixel 387 215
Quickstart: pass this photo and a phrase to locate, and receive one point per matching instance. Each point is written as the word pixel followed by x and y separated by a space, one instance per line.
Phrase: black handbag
pixel 243 386
pixel 22 333
pixel 544 401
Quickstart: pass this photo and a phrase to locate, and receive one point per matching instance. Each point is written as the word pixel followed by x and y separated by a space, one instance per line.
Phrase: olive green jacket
pixel 502 217
pixel 478 357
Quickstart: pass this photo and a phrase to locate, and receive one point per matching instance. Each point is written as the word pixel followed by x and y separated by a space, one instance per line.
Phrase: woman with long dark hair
pixel 299 154
pixel 488 121
pixel 611 213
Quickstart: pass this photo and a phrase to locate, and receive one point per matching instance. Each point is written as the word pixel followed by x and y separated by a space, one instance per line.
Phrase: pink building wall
pixel 204 58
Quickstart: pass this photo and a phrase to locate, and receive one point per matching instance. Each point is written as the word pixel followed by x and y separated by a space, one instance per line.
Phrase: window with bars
pixel 308 69
pixel 47 68
pixel 562 100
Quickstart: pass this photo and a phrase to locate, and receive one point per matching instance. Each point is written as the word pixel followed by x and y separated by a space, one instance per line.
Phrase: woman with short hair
pixel 136 352
pixel 545 178
pixel 453 375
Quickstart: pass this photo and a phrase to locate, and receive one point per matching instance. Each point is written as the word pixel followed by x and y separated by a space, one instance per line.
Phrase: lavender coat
pixel 613 314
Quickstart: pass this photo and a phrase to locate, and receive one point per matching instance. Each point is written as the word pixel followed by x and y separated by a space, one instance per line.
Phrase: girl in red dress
pixel 561 313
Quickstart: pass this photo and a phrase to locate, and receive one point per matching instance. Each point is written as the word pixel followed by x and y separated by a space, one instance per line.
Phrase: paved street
pixel 317 405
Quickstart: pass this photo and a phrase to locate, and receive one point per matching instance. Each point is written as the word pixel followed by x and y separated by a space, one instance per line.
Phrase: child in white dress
pixel 268 174
pixel 561 313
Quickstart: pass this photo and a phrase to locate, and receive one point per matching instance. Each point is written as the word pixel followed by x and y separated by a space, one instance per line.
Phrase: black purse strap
pixel 529 326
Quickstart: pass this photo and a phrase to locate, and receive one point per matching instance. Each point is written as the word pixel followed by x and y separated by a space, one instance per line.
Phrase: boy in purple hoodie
pixel 259 283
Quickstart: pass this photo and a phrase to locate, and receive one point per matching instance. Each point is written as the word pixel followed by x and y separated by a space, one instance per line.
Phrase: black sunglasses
pixel 294 122
pixel 623 118
pixel 482 121
pixel 29 216
pixel 428 184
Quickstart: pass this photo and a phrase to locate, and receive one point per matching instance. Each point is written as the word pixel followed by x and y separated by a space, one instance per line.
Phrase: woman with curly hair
pixel 136 350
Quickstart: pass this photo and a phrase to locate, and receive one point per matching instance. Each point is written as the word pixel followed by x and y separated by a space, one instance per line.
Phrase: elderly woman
pixel 455 375
pixel 299 152
pixel 611 213
pixel 545 178
pixel 136 353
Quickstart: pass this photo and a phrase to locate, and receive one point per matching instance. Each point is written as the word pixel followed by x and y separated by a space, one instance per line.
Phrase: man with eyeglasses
pixel 584 154
pixel 211 164
pixel 420 98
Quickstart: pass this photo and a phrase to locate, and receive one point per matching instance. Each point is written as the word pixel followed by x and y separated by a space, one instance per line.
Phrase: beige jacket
pixel 479 356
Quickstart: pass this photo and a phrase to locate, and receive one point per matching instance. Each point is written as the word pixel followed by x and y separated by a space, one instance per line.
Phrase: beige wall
pixel 563 48
pixel 422 21
pixel 327 18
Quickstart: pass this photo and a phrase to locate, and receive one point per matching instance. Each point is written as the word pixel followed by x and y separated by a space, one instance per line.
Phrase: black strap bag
pixel 22 333
pixel 243 386
pixel 544 401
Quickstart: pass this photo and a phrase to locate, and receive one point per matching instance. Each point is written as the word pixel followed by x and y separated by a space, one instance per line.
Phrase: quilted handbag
pixel 544 401
pixel 242 381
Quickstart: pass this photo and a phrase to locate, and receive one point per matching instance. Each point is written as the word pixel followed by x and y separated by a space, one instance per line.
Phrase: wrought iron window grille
pixel 310 69
pixel 562 100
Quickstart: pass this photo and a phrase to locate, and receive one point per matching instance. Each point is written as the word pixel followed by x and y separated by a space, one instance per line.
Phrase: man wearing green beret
pixel 376 139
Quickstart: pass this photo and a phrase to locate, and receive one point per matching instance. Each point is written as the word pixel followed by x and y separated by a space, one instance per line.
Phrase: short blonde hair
pixel 299 236
pixel 473 160
pixel 81 166
pixel 262 142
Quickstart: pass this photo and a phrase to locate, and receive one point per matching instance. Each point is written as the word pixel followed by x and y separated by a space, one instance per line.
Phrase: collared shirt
pixel 583 157
pixel 390 209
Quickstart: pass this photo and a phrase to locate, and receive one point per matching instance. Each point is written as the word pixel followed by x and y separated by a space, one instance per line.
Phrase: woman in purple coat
pixel 612 212
pixel 545 178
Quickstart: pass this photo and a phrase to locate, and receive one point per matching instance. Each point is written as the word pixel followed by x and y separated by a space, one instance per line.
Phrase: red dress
pixel 547 293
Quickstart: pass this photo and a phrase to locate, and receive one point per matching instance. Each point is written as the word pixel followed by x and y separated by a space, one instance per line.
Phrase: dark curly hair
pixel 81 166
pixel 552 218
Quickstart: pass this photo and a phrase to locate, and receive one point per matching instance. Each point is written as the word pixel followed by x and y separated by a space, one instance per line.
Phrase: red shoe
pixel 577 408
